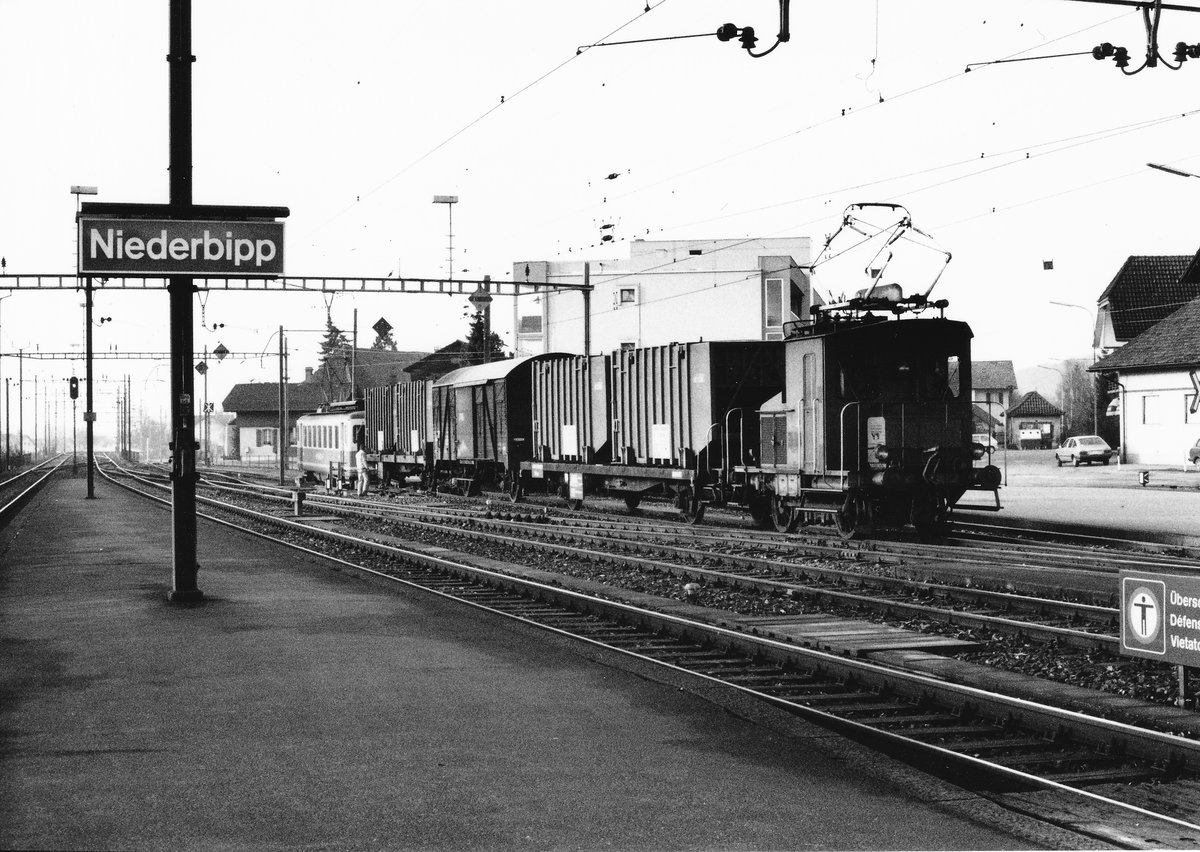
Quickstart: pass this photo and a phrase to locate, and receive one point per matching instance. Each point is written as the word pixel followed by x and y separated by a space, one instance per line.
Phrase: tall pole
pixel 21 405
pixel 7 433
pixel 487 321
pixel 35 423
pixel 279 451
pixel 183 434
pixel 587 308
pixel 4 461
pixel 207 416
pixel 89 414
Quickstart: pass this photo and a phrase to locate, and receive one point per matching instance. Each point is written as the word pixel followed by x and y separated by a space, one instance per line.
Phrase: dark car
pixel 1194 454
pixel 1083 449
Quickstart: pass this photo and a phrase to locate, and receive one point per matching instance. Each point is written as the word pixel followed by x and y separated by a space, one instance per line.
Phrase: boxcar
pixel 675 417
pixel 399 430
pixel 482 423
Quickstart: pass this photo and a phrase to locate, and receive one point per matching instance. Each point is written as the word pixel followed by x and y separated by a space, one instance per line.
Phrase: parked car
pixel 1083 449
pixel 1194 453
pixel 984 439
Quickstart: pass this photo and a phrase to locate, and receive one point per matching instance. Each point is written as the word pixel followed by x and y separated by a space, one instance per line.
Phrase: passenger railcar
pixel 327 442
pixel 872 427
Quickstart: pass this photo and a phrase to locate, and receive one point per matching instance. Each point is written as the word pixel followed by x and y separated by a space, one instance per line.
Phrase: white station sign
pixel 152 247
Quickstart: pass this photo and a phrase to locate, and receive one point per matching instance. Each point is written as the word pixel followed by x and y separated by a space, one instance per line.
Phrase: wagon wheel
pixel 853 517
pixel 691 507
pixel 632 501
pixel 759 506
pixel 783 518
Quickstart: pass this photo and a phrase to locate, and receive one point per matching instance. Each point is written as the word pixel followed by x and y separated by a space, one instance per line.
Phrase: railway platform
pixel 299 706
pixel 1102 500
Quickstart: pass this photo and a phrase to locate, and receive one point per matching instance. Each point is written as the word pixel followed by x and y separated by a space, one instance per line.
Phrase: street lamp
pixel 1095 332
pixel 1065 391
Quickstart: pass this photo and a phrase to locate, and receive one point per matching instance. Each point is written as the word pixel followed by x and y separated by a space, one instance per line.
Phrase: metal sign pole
pixel 89 414
pixel 183 440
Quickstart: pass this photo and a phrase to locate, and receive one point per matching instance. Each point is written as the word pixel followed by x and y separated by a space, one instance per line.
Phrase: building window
pixel 1152 410
pixel 530 324
pixel 774 302
pixel 626 296
pixel 775 314
pixel 265 437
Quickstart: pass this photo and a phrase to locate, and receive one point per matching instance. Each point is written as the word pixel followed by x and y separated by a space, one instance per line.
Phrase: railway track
pixel 712 559
pixel 1114 783
pixel 18 489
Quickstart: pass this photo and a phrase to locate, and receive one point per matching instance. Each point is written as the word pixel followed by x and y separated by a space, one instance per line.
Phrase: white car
pixel 985 439
pixel 1083 449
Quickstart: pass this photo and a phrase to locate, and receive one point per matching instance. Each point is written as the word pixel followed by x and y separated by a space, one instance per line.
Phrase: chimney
pixel 308 374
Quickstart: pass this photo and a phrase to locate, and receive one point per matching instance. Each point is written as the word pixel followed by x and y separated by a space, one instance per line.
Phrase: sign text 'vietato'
pixel 170 247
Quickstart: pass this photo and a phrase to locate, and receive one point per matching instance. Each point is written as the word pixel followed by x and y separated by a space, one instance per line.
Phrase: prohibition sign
pixel 1143 616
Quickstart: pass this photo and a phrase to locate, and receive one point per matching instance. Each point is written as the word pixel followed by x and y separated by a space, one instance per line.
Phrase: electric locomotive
pixel 873 425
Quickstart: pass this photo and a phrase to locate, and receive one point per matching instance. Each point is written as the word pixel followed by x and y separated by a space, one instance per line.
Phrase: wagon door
pixel 811 412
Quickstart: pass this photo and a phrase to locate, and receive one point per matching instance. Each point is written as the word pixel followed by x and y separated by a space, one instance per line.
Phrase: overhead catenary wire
pixel 503 100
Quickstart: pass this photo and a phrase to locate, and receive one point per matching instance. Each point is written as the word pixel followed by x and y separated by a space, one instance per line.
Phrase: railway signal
pixel 74 387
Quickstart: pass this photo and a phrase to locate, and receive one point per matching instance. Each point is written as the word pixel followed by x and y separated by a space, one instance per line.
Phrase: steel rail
pixel 9 510
pixel 1034 605
pixel 1163 748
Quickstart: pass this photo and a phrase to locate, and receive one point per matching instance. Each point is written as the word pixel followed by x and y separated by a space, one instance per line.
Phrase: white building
pixel 1158 375
pixel 667 291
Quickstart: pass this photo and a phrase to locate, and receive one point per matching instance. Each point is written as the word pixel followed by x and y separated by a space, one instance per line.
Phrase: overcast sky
pixel 354 115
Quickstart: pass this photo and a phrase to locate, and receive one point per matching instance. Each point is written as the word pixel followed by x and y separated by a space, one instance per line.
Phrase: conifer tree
pixel 335 359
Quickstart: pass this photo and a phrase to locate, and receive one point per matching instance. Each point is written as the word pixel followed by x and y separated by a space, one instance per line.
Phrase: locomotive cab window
pixel 942 379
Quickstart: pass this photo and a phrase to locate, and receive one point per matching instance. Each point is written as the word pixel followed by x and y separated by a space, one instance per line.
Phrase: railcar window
pixel 859 374
pixel 953 377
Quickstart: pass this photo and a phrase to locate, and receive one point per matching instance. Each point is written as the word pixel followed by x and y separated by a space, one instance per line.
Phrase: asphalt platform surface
pixel 299 707
pixel 1097 499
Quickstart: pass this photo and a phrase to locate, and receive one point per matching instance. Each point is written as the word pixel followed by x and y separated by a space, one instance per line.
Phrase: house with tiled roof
pixel 370 368
pixel 993 386
pixel 1034 423
pixel 254 434
pixel 1157 380
pixel 1146 290
pixel 445 360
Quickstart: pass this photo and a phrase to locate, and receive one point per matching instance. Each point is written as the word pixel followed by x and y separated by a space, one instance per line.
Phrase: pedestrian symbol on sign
pixel 1143 614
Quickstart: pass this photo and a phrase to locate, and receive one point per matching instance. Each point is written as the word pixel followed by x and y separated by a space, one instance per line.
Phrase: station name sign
pixel 1160 617
pixel 152 247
